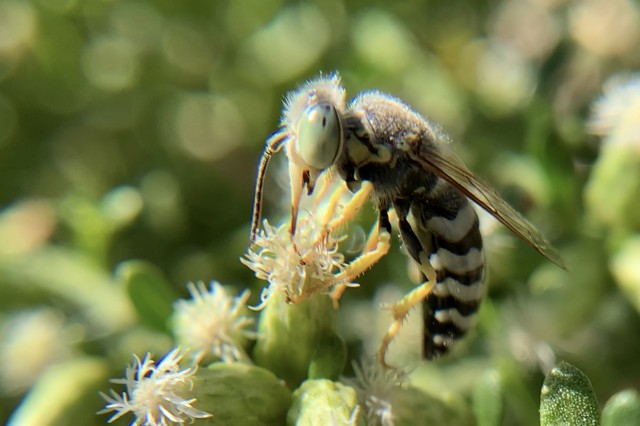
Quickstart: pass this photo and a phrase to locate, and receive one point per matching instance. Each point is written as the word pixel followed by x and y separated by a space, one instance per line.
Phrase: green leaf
pixel 611 194
pixel 625 267
pixel 488 404
pixel 149 291
pixel 65 394
pixel 86 289
pixel 622 409
pixel 567 398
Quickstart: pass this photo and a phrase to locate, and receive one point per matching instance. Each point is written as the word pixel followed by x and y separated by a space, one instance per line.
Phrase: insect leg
pixel 331 207
pixel 400 309
pixel 377 246
pixel 322 188
pixel 348 211
pixel 353 206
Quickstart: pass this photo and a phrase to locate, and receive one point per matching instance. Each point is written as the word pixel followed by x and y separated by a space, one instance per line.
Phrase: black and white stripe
pixel 455 252
pixel 436 221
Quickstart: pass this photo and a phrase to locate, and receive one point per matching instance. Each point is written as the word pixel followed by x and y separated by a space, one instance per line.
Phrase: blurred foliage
pixel 131 129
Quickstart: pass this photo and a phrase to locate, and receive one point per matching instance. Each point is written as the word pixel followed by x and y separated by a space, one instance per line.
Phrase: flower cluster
pixel 375 386
pixel 310 261
pixel 157 394
pixel 212 322
pixel 298 266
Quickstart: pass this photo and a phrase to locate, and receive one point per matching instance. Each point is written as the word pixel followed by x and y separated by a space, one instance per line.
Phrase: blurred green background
pixel 131 130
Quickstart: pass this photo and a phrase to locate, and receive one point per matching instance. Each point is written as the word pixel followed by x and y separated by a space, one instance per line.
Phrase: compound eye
pixel 320 136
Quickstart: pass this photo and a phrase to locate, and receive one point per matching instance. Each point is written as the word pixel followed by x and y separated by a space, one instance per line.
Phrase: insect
pixel 386 152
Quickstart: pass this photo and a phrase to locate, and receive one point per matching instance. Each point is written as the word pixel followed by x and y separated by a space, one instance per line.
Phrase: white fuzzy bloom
pixel 311 261
pixel 375 386
pixel 616 115
pixel 298 266
pixel 212 322
pixel 156 394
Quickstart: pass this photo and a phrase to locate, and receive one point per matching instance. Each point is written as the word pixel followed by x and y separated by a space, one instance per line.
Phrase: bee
pixel 388 153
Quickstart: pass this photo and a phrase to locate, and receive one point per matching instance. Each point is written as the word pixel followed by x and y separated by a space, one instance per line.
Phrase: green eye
pixel 320 136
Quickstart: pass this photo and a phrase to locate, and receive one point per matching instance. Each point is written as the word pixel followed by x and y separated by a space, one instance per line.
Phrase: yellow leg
pixel 393 219
pixel 353 206
pixel 401 309
pixel 323 185
pixel 362 263
pixel 348 212
pixel 330 209
pixel 374 237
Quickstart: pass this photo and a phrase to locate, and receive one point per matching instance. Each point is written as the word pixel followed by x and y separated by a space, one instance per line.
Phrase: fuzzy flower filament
pixel 157 394
pixel 212 322
pixel 299 266
pixel 375 386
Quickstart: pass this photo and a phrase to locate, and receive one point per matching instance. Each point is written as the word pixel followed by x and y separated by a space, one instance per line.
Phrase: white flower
pixel 299 267
pixel 310 261
pixel 157 394
pixel 616 115
pixel 212 322
pixel 375 386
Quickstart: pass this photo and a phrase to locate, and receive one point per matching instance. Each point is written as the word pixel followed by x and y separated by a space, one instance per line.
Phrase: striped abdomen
pixel 455 252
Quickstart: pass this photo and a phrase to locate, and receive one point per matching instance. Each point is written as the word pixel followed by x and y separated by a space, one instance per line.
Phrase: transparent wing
pixel 447 165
